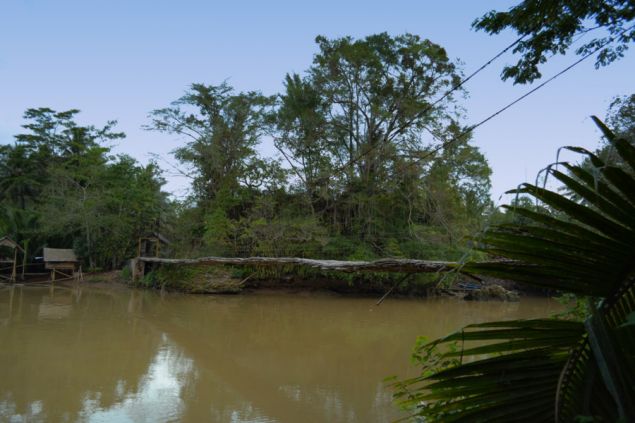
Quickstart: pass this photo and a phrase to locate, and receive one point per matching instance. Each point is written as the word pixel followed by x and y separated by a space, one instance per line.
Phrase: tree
pixel 302 123
pixel 548 369
pixel 223 129
pixel 463 169
pixel 361 108
pixel 56 136
pixel 52 138
pixel 552 27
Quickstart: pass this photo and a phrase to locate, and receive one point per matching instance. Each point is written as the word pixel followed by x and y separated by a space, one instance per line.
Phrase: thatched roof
pixel 5 241
pixel 52 255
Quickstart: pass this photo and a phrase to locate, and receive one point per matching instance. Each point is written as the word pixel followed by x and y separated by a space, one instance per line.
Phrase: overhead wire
pixel 471 128
pixel 437 101
pixel 446 143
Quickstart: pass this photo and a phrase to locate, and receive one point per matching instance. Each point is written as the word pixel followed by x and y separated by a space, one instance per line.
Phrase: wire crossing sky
pixel 121 59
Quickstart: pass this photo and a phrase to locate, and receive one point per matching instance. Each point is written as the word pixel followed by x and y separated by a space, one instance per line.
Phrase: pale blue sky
pixel 120 59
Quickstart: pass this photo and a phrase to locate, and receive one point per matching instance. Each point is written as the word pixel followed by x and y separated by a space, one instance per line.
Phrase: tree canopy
pixel 223 130
pixel 549 27
pixel 351 131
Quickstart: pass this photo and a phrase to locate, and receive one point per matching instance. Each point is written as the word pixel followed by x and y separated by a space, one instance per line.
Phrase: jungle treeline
pixel 356 175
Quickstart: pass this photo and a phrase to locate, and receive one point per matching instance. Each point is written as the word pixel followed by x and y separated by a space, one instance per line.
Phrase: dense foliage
pixel 350 181
pixel 549 27
pixel 549 369
pixel 356 176
pixel 62 188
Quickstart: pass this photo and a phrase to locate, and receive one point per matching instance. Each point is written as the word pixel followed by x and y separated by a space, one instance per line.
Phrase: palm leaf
pixel 495 388
pixel 586 247
pixel 548 369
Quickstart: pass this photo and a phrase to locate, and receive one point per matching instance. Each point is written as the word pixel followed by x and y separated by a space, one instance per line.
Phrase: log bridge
pixel 138 264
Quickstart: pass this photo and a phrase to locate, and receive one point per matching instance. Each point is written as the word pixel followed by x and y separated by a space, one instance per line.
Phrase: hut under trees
pixel 61 261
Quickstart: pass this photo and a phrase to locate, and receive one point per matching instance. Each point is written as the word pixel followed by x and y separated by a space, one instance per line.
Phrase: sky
pixel 121 59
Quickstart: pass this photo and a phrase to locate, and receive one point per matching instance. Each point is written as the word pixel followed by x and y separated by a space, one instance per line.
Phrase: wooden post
pixel 133 269
pixel 26 245
pixel 53 275
pixel 138 269
pixel 20 303
pixel 14 272
pixel 11 289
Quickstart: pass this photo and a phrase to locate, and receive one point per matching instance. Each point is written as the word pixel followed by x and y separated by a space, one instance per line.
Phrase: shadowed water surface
pixel 117 355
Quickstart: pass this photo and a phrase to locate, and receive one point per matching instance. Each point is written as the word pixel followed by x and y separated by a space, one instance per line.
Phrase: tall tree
pixel 361 105
pixel 223 128
pixel 302 135
pixel 20 177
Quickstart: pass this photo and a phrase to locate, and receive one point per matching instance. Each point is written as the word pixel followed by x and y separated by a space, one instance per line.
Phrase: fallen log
pixel 382 265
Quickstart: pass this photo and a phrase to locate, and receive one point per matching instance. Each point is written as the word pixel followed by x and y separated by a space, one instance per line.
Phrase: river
pixel 111 354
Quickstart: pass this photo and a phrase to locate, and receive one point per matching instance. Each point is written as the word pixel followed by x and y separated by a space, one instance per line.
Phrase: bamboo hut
pixel 61 261
pixel 10 260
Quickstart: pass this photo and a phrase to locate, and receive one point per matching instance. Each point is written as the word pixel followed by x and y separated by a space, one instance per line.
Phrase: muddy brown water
pixel 112 354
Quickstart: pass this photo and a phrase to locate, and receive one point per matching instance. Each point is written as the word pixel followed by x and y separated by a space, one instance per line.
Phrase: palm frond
pixel 584 246
pixel 494 388
pixel 548 369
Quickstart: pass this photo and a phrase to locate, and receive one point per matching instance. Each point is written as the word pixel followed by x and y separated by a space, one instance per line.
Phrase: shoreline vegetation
pixel 201 279
pixel 230 281
pixel 354 180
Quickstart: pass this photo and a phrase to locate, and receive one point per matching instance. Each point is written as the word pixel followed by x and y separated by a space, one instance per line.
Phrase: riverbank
pixel 231 281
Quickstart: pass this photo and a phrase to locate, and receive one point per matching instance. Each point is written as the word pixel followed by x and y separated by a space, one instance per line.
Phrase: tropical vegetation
pixel 373 159
pixel 350 180
pixel 61 186
pixel 579 367
pixel 355 175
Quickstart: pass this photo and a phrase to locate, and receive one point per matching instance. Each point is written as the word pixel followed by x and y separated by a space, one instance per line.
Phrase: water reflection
pixel 158 397
pixel 60 346
pixel 118 355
